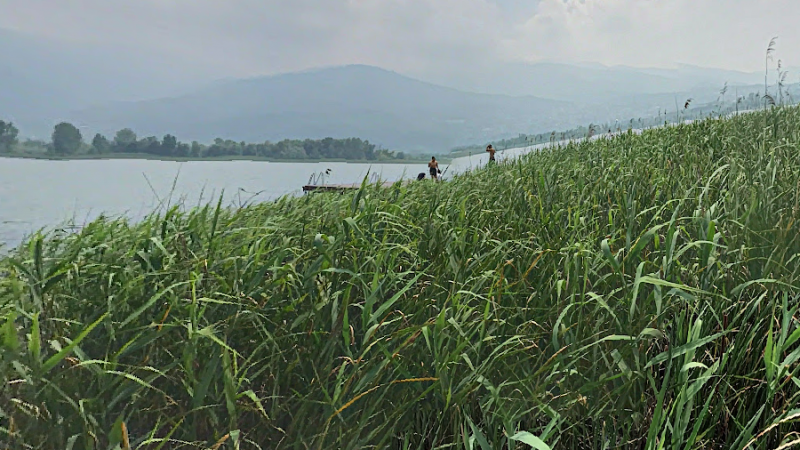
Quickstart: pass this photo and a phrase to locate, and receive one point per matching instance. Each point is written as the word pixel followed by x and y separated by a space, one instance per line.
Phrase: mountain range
pixel 591 82
pixel 385 107
pixel 106 89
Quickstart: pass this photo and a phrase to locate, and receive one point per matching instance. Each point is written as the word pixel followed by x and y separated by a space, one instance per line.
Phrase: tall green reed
pixel 637 292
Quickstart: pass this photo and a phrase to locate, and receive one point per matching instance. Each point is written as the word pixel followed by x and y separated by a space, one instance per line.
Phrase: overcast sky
pixel 249 37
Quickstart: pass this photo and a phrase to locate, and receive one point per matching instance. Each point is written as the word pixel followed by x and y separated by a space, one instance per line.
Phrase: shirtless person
pixel 433 168
pixel 491 151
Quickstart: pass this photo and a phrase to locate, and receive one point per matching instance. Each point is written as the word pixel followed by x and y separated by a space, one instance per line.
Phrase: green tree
pixel 124 141
pixel 100 144
pixel 168 145
pixel 67 139
pixel 182 150
pixel 196 150
pixel 150 145
pixel 8 136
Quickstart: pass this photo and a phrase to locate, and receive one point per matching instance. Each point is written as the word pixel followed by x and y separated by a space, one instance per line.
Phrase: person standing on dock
pixel 433 168
pixel 491 152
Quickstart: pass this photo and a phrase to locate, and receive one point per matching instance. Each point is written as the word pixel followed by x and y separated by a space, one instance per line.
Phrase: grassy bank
pixel 637 293
pixel 84 157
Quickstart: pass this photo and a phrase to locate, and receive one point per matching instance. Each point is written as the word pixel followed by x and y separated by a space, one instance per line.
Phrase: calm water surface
pixel 38 194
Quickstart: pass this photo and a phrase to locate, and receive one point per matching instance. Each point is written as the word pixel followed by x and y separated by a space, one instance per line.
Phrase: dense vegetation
pixel 638 292
pixel 67 141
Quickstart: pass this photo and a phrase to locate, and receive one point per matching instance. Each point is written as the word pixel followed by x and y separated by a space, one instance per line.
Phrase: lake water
pixel 38 194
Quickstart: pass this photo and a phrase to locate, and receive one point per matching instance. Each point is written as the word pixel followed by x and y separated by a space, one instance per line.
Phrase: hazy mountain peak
pixel 108 88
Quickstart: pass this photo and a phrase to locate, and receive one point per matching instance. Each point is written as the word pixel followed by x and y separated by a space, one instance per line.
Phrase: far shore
pixel 85 157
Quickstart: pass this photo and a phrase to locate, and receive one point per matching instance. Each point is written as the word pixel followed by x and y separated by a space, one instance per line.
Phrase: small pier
pixel 340 187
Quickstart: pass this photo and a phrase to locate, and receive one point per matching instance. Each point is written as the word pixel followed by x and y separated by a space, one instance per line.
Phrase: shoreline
pixel 135 156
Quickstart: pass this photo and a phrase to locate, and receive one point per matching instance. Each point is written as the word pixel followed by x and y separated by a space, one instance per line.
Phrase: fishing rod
pixel 445 170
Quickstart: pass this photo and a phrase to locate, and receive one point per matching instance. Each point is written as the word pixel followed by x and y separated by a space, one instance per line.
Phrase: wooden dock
pixel 340 187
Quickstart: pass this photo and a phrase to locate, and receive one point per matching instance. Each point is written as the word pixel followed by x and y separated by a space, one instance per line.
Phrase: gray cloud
pixel 729 34
pixel 248 37
pixel 252 36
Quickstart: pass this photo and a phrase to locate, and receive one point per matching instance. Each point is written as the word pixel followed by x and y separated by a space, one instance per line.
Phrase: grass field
pixel 635 293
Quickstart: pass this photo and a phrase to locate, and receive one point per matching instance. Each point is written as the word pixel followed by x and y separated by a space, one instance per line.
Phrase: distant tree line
pixel 67 140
